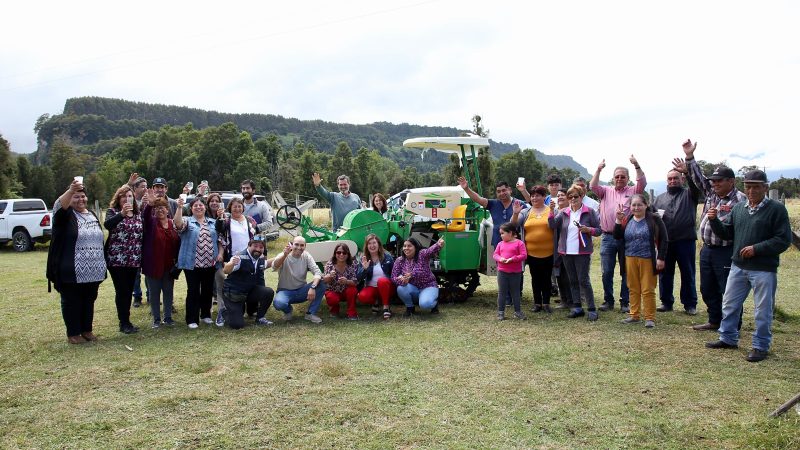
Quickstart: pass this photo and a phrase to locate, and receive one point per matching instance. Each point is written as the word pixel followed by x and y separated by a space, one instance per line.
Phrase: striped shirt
pixel 724 205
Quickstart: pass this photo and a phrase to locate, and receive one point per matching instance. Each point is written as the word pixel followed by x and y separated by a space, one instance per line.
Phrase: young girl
pixel 509 254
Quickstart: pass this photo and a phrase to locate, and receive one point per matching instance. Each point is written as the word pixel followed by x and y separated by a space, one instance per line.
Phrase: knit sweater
pixel 768 231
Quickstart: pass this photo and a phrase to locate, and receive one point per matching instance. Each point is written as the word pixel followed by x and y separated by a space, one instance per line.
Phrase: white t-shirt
pixel 573 247
pixel 377 272
pixel 239 235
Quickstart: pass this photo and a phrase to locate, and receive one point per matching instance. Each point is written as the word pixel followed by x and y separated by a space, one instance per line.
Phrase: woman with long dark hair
pixel 413 276
pixel 123 251
pixel 341 280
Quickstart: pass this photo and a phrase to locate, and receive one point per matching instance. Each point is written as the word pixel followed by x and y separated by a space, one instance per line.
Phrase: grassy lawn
pixel 460 379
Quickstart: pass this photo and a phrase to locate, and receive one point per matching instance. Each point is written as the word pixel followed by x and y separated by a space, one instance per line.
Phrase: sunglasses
pixel 573 196
pixel 617 177
pixel 341 253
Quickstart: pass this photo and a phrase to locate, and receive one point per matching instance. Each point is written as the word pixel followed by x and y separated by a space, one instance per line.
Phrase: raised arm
pixel 66 198
pixel 641 181
pixel 472 194
pixel 594 183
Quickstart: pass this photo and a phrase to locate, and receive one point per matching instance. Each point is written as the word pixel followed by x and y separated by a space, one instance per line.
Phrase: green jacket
pixel 768 231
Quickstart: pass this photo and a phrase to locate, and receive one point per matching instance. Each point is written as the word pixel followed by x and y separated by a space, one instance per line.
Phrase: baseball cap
pixel 755 176
pixel 159 180
pixel 722 172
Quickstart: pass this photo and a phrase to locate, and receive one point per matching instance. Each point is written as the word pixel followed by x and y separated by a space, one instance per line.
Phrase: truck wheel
pixel 22 242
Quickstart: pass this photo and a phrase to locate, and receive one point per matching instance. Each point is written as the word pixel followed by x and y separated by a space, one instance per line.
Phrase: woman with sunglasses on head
pixel 413 276
pixel 576 225
pixel 340 276
pixel 536 234
pixel 373 274
pixel 197 257
pixel 75 262
pixel 123 251
pixel 234 233
pixel 644 236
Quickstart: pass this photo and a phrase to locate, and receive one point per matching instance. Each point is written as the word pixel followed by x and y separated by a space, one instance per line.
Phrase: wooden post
pixel 774 194
pixel 785 407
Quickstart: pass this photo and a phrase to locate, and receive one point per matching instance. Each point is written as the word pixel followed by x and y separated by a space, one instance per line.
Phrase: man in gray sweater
pixel 293 265
pixel 760 232
pixel 342 202
pixel 679 205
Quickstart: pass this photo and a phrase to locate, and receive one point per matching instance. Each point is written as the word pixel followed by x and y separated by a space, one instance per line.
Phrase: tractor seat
pixel 458 223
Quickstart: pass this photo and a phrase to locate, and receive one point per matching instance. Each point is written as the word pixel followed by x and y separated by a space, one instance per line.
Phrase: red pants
pixel 385 290
pixel 334 298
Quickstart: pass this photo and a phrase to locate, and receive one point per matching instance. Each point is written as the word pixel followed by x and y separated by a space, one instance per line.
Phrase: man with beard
pixel 342 202
pixel 245 285
pixel 500 209
pixel 259 211
pixel 679 205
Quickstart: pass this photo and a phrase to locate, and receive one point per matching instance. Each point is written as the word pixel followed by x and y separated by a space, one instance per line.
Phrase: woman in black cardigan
pixel 645 239
pixel 75 262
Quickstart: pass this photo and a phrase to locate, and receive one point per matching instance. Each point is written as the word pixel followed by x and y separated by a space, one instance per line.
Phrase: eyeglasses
pixel 573 196
pixel 619 177
pixel 341 253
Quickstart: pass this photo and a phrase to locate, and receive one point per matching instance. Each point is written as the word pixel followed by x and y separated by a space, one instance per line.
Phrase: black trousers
pixel 541 269
pixel 259 298
pixel 124 279
pixel 77 306
pixel 199 286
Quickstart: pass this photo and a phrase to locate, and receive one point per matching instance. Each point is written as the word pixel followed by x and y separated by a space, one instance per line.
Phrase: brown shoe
pixel 706 327
pixel 89 336
pixel 76 340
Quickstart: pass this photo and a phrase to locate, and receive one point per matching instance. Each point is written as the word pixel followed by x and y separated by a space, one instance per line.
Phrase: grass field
pixel 460 379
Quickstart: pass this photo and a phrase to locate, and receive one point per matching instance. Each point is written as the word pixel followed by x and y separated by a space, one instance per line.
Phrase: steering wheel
pixel 289 217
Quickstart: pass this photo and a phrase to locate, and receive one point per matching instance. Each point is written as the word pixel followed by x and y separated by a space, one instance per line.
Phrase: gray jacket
pixel 680 212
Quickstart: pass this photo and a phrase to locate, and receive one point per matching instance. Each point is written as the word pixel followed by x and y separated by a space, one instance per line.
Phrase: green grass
pixel 459 380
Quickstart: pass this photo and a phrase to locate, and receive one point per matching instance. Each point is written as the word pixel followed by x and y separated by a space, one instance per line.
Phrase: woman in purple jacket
pixel 123 251
pixel 577 224
pixel 413 277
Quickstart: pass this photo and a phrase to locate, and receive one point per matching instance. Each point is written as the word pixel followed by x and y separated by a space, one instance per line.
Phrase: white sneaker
pixel 287 317
pixel 207 320
pixel 650 323
pixel 313 318
pixel 193 326
pixel 220 320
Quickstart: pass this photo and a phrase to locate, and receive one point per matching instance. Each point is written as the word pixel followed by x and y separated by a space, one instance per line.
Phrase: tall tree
pixel 6 165
pixel 520 164
pixel 43 186
pixel 452 171
pixel 340 164
pixel 24 175
pixel 65 164
pixel 363 178
pixel 486 170
pixel 253 165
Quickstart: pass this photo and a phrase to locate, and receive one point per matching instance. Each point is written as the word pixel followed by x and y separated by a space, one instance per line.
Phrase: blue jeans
pixel 427 298
pixel 285 298
pixel 715 264
pixel 611 251
pixel 764 285
pixel 683 253
pixel 137 286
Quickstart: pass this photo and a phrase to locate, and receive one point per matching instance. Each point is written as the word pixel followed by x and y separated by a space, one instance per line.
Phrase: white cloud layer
pixel 588 79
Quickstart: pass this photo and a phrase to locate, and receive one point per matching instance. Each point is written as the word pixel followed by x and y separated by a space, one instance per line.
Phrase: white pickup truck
pixel 23 221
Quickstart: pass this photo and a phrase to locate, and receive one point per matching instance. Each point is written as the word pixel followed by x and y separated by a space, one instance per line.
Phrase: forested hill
pixel 90 120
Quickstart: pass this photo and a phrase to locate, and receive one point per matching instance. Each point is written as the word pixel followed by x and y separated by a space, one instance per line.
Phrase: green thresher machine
pixel 426 214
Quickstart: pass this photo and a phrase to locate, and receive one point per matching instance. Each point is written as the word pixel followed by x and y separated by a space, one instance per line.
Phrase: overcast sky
pixel 588 79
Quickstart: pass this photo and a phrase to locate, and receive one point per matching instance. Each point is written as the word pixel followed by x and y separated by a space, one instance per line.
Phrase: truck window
pixel 29 205
pixel 3 207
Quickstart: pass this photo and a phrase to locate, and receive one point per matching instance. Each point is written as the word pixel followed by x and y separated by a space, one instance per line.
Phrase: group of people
pixel 221 253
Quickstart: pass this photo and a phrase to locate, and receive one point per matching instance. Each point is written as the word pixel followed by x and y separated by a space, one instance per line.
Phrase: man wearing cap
pixel 760 232
pixel 342 202
pixel 160 190
pixel 715 255
pixel 613 250
pixel 245 285
pixel 259 211
pixel 293 266
pixel 679 208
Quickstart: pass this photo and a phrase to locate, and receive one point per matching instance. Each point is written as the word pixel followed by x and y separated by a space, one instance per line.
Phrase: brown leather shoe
pixel 706 327
pixel 76 340
pixel 89 336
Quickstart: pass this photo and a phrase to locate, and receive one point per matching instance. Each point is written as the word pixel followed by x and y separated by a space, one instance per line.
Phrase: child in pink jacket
pixel 510 253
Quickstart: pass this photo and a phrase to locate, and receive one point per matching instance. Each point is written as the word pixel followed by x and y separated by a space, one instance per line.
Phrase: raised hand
pixel 521 186
pixel 620 213
pixel 316 179
pixel 689 148
pixel 712 213
pixel 127 209
pixel 180 201
pixel 440 242
pixel 235 259
pixel 288 248
pixel 516 207
pixel 364 261
pixel 134 176
pixel 679 164
pixel 634 161
pixel 462 182
pixel 602 165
